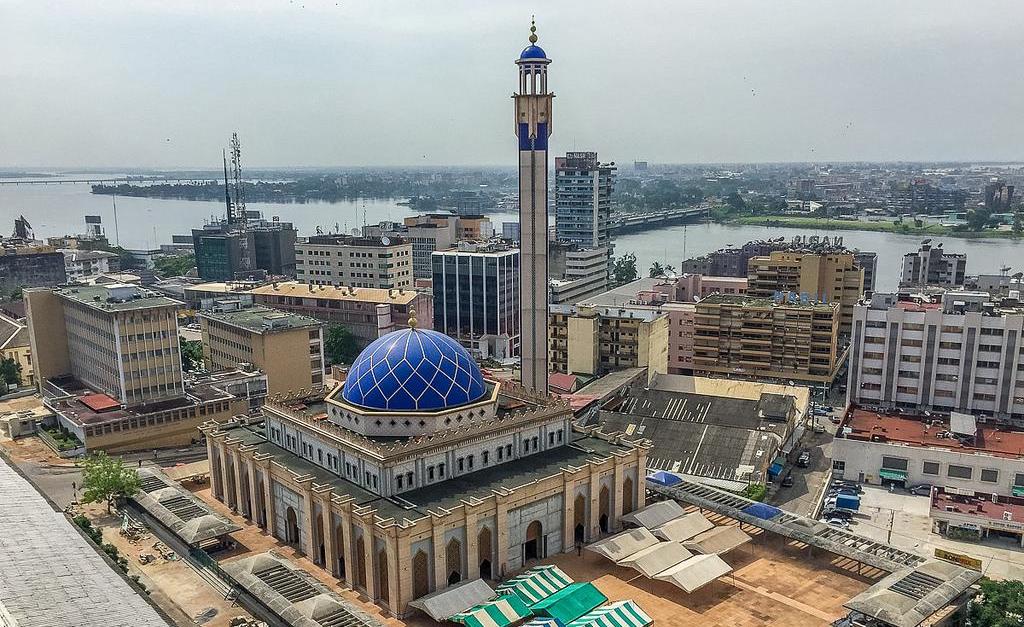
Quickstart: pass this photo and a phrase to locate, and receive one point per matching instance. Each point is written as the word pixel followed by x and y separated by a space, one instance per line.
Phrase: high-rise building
pixel 475 298
pixel 998 195
pixel 956 351
pixel 533 126
pixel 594 340
pixel 583 199
pixel 227 251
pixel 827 278
pixel 384 262
pixel 287 347
pixel 931 265
pixel 433 231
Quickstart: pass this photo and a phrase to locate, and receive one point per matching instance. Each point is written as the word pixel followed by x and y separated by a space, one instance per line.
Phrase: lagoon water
pixel 59 209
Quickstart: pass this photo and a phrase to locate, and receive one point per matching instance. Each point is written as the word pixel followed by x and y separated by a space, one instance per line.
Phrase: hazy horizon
pixel 320 84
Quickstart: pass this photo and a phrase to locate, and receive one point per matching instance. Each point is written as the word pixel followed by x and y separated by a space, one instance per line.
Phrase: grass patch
pixel 65 440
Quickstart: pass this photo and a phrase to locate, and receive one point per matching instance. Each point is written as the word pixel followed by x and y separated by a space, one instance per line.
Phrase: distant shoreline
pixel 878 227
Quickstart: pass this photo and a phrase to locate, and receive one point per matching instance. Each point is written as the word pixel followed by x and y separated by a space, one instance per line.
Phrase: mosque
pixel 418 472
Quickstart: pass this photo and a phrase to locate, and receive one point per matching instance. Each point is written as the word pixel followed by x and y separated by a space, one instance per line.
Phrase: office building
pixel 287 347
pixel 29 263
pixel 475 298
pixel 595 340
pixel 226 251
pixel 932 266
pixel 828 278
pixel 83 265
pixel 510 231
pixel 533 127
pixel 868 262
pixel 345 260
pixel 366 312
pixel 956 351
pixel 583 199
pixel 733 262
pixel 118 339
pixel 765 338
pixel 403 487
pixel 576 272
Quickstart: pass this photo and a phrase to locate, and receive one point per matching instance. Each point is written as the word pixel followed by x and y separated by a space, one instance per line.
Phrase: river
pixel 59 209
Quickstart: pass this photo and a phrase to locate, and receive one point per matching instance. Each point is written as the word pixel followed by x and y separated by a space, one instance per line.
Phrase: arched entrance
pixel 339 543
pixel 360 563
pixel 627 495
pixel 229 493
pixel 382 575
pixel 261 505
pixel 318 540
pixel 245 507
pixel 603 500
pixel 484 550
pixel 291 528
pixel 579 513
pixel 453 561
pixel 533 547
pixel 420 575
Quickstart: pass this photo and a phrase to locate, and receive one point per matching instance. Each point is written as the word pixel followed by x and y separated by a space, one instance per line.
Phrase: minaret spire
pixel 533 30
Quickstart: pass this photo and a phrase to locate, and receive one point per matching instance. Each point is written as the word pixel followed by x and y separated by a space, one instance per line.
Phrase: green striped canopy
pixel 500 612
pixel 570 602
pixel 622 614
pixel 536 584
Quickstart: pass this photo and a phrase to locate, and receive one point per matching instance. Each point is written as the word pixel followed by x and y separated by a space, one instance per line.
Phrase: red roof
pixel 907 305
pixel 924 431
pixel 980 505
pixel 562 381
pixel 99 402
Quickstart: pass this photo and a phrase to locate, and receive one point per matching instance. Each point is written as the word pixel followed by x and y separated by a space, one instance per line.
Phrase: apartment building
pixel 287 347
pixel 83 265
pixel 832 277
pixel 367 312
pixel 782 338
pixel 932 266
pixel 426 236
pixel 119 339
pixel 956 351
pixel 594 340
pixel 576 273
pixel 476 298
pixel 583 191
pixel 346 260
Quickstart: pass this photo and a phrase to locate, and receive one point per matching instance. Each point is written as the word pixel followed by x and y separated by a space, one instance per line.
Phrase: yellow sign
pixel 958 558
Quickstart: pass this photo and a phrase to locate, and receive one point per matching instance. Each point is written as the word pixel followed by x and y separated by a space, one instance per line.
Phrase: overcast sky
pixel 315 82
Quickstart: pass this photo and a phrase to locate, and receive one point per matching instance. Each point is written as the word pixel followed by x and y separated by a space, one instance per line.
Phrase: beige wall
pixel 22 355
pixel 171 432
pixel 283 355
pixel 584 349
pixel 48 333
pixel 653 337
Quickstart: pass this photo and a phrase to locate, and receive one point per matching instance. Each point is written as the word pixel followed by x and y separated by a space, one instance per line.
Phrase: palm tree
pixel 657 270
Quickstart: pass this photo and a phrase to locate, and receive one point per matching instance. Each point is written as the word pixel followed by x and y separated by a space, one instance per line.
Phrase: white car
pixel 837 522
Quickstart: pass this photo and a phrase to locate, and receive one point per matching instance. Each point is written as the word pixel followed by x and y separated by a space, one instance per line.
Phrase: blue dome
pixel 533 52
pixel 413 370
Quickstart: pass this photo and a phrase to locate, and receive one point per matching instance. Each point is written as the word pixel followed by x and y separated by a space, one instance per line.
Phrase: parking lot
pixel 801 497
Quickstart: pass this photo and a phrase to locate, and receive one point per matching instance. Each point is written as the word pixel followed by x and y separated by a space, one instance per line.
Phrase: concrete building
pixel 731 262
pixel 510 231
pixel 121 340
pixel 426 235
pixel 28 263
pixel 287 347
pixel 229 251
pixel 404 488
pixel 83 265
pixel 475 298
pixel 594 340
pixel 828 278
pixel 689 288
pixel 15 344
pixel 583 200
pixel 766 338
pixel 367 312
pixel 533 127
pixel 959 351
pixel 868 262
pixel 931 265
pixel 576 273
pixel 344 260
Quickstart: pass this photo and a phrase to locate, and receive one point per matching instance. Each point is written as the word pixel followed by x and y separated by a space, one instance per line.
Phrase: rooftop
pixel 117 297
pixel 328 292
pixel 1007 509
pixel 764 301
pixel 260 319
pixel 929 431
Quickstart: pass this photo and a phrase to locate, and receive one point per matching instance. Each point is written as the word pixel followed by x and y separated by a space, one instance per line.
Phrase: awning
pixel 775 469
pixel 696 572
pixel 718 540
pixel 443 604
pixel 762 511
pixel 655 514
pixel 684 527
pixel 622 545
pixel 664 478
pixel 501 612
pixel 570 602
pixel 622 614
pixel 536 584
pixel 1017 490
pixel 543 622
pixel 893 475
pixel 657 558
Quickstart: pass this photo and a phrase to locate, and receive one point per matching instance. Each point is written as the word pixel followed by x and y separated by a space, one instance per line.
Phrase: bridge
pixel 636 222
pixel 124 179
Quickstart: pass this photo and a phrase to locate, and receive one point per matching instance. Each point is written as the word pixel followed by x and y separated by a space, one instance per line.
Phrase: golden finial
pixel 412 318
pixel 533 30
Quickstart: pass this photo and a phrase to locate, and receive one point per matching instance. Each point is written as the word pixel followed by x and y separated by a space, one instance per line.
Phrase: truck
pixel 847 501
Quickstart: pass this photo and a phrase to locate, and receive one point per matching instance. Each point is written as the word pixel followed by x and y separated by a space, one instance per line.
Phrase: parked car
pixel 842 490
pixel 837 522
pixel 835 418
pixel 852 485
pixel 819 428
pixel 804 460
pixel 787 481
pixel 822 411
pixel 837 513
pixel 924 489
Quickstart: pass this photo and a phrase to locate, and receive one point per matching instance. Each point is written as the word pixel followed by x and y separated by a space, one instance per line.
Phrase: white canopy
pixel 622 545
pixel 684 527
pixel 443 604
pixel 718 540
pixel 657 558
pixel 963 424
pixel 655 514
pixel 696 572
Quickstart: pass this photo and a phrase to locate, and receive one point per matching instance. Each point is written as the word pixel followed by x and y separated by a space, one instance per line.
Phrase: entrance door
pixel 532 548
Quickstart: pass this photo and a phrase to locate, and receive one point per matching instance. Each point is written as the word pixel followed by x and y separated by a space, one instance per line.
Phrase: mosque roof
pixel 414 370
pixel 533 52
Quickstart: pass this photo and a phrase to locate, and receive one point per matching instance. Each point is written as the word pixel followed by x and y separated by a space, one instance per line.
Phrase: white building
pixel 82 265
pixel 931 265
pixel 344 260
pixel 958 351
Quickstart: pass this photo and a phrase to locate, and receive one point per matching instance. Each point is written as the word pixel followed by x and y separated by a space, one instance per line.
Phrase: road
pixel 801 497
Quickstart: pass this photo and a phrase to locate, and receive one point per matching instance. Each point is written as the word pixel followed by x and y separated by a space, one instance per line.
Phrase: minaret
pixel 533 126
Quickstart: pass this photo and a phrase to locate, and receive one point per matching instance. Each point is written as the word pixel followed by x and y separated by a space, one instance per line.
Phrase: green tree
pixel 735 202
pixel 107 479
pixel 175 265
pixel 340 345
pixel 10 371
pixel 1000 604
pixel 656 270
pixel 1018 222
pixel 191 354
pixel 624 269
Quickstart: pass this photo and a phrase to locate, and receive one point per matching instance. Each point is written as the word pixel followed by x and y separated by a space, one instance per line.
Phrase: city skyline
pixel 322 83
